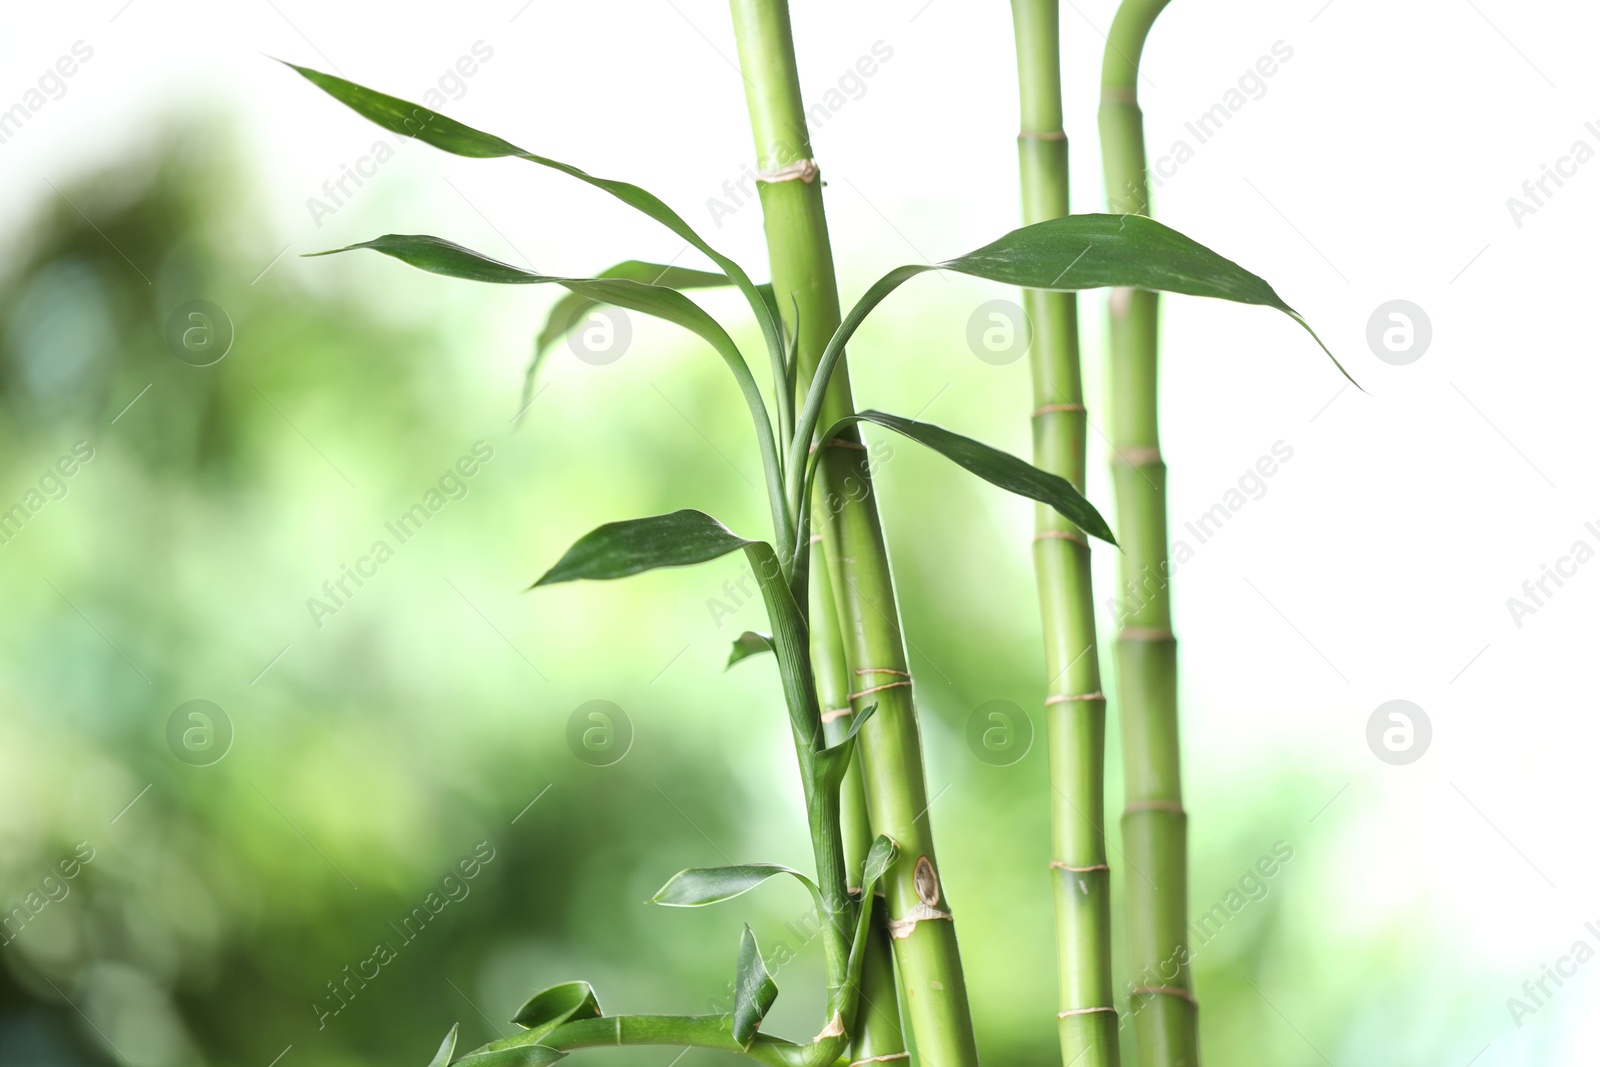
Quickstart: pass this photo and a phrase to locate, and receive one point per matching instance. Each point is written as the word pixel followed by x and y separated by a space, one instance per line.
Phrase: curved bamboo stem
pixel 1075 709
pixel 890 751
pixel 1154 825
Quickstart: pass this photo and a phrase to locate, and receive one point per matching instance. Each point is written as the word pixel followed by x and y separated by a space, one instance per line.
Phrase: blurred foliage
pixel 420 731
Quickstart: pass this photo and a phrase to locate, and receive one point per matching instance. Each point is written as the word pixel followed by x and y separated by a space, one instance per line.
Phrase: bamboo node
pixel 879 688
pixel 1048 408
pixel 882 1059
pixel 839 442
pixel 881 670
pixel 1041 135
pixel 1062 535
pixel 804 170
pixel 1057 865
pixel 835 713
pixel 1065 698
pixel 1139 457
pixel 815 539
pixel 900 929
pixel 1164 991
pixel 1083 1011
pixel 1144 633
pixel 1116 94
pixel 834 1028
pixel 1153 805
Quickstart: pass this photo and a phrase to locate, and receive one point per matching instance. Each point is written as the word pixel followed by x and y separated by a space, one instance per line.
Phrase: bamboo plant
pixel 1154 823
pixel 1074 705
pixel 805 430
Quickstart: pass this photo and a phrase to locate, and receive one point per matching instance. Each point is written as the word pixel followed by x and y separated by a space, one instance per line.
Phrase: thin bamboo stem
pixel 1154 825
pixel 1075 709
pixel 890 751
pixel 879 1032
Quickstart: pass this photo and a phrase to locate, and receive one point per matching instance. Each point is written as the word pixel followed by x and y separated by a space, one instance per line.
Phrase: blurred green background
pixel 424 724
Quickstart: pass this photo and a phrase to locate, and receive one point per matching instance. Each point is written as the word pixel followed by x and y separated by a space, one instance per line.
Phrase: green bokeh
pixel 420 721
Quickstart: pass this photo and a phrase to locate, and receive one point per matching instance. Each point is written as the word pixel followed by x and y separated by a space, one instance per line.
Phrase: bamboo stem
pixel 1075 710
pixel 890 750
pixel 879 1032
pixel 1154 826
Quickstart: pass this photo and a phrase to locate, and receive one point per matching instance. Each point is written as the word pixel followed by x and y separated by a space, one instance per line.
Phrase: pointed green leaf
pixel 519 1050
pixel 1076 252
pixel 411 120
pixel 748 644
pixel 754 991
pixel 834 760
pixel 572 308
pixel 699 886
pixel 993 466
pixel 633 546
pixel 879 859
pixel 447 1048
pixel 1069 254
pixel 438 256
pixel 549 1008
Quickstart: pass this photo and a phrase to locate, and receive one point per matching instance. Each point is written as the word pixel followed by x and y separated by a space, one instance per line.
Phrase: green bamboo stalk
pixel 926 954
pixel 880 1036
pixel 1154 825
pixel 1075 706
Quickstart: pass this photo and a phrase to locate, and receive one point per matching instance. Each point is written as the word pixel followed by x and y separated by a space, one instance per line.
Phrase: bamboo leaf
pixel 447 1049
pixel 1077 252
pixel 571 308
pixel 754 991
pixel 834 760
pixel 856 722
pixel 1069 254
pixel 438 256
pixel 412 120
pixel 519 1050
pixel 699 886
pixel 748 644
pixel 879 859
pixel 994 466
pixel 549 1008
pixel 633 546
